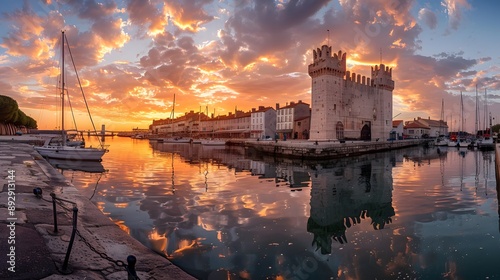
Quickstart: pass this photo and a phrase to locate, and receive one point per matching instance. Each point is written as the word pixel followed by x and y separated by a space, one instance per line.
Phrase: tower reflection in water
pixel 343 196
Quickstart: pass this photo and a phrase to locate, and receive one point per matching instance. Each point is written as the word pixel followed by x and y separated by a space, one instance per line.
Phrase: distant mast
pixel 477 113
pixel 485 110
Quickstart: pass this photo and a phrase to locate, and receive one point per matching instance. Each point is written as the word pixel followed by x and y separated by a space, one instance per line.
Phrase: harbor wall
pixel 323 150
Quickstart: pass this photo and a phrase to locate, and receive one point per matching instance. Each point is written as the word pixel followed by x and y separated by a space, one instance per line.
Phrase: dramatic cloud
pixel 147 15
pixel 428 17
pixel 188 15
pixel 454 10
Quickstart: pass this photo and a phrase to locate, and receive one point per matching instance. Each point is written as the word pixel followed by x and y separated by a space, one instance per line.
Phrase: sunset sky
pixel 132 56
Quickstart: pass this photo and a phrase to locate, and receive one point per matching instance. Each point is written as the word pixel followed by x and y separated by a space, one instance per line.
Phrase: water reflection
pixel 418 213
pixel 76 165
pixel 344 195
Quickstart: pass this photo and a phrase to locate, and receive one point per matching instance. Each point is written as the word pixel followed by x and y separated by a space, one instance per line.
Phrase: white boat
pixel 137 136
pixel 62 150
pixel 70 152
pixel 213 142
pixel 486 143
pixel 179 140
pixel 441 140
pixel 463 143
pixel 452 143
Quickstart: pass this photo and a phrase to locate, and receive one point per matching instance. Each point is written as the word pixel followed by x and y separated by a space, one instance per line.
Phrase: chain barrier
pixel 102 255
pixel 131 260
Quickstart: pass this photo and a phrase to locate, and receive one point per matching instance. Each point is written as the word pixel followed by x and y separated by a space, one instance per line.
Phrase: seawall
pixel 323 150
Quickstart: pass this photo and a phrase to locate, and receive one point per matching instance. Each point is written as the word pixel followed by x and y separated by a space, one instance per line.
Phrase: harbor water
pixel 231 213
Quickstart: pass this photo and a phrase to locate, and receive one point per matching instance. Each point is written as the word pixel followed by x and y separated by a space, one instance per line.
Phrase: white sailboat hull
pixel 442 141
pixel 71 153
pixel 213 142
pixel 177 140
pixel 486 144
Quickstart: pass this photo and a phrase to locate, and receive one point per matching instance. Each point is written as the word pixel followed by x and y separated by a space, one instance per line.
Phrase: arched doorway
pixel 366 133
pixel 339 130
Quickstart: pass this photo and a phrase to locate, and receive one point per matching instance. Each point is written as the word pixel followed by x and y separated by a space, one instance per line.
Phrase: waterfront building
pixel 235 125
pixel 432 128
pixel 345 105
pixel 186 125
pixel 397 130
pixel 263 122
pixel 287 116
pixel 301 128
pixel 436 127
pixel 416 129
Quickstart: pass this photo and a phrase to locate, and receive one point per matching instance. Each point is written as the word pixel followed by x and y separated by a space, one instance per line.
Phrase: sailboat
pixel 62 150
pixel 441 140
pixel 463 142
pixel 174 139
pixel 486 142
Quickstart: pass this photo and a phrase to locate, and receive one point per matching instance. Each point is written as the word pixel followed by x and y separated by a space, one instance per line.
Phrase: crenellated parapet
pixel 382 77
pixel 357 79
pixel 327 63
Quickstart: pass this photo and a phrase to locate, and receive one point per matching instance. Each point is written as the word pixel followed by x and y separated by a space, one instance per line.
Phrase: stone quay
pixel 311 150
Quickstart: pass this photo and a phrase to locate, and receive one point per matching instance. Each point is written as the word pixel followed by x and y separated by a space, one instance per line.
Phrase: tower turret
pixel 326 63
pixel 382 77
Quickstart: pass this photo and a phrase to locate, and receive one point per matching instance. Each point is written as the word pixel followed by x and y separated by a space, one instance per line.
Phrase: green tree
pixel 31 123
pixel 8 109
pixel 10 113
pixel 496 128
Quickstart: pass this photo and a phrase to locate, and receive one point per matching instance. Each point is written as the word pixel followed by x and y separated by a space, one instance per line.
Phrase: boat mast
pixel 460 131
pixel 173 113
pixel 62 90
pixel 477 112
pixel 485 111
pixel 442 118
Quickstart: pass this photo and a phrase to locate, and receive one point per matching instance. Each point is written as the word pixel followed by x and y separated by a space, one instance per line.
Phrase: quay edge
pixel 324 150
pixel 39 253
pixel 497 172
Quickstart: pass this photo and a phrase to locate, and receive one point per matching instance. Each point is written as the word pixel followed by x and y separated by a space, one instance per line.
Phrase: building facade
pixel 420 127
pixel 263 122
pixel 287 116
pixel 345 105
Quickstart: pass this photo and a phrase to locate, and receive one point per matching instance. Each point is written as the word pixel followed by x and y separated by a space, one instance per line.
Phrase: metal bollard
pixel 53 195
pixel 132 274
pixel 68 252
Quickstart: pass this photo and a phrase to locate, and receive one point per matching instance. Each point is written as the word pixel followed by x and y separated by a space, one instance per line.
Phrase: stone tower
pixel 384 85
pixel 347 105
pixel 327 73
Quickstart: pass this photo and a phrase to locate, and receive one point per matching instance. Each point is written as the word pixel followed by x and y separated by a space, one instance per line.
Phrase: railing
pixel 131 260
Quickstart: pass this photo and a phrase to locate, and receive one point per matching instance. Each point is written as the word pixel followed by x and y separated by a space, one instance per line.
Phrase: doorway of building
pixel 366 133
pixel 339 130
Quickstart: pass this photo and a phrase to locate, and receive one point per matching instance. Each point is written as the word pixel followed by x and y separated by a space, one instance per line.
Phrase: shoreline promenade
pixel 31 250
